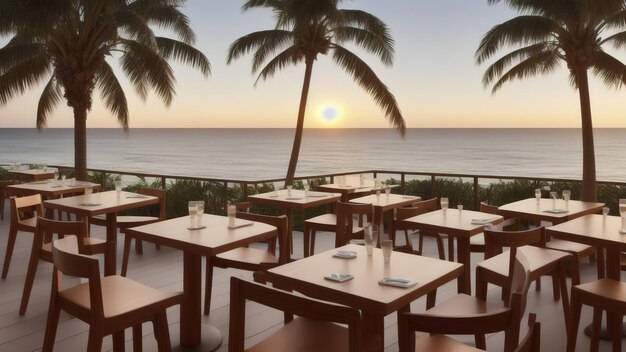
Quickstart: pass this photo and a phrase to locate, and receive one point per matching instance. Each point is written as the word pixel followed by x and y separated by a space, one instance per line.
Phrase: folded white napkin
pixel 240 223
pixel 404 283
pixel 482 221
pixel 339 277
pixel 345 254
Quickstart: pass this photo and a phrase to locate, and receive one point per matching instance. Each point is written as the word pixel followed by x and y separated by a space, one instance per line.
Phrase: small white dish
pixel 240 223
pixel 404 283
pixel 345 254
pixel 482 221
pixel 339 277
pixel 556 211
pixel 196 228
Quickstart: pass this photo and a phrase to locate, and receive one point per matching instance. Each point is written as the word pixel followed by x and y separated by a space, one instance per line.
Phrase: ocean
pixel 251 154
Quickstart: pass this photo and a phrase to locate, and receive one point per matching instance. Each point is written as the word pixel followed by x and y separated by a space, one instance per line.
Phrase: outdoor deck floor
pixel 163 269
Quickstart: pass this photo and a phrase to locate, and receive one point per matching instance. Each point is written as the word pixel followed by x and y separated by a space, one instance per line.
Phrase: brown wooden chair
pixel 477 242
pixel 542 262
pixel 349 217
pixel 3 195
pixel 399 223
pixel 128 221
pixel 42 248
pixel 328 223
pixel 578 251
pixel 104 302
pixel 24 212
pixel 466 315
pixel 249 258
pixel 314 329
pixel 603 295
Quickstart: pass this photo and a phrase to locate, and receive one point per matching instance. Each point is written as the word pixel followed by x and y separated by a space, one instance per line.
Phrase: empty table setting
pixel 555 211
pixel 50 188
pixel 209 236
pixel 347 275
pixel 31 174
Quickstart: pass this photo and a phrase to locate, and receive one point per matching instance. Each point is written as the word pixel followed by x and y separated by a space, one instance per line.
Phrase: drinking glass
pixel 566 196
pixel 460 207
pixel 605 212
pixel 371 238
pixel 232 214
pixel 56 177
pixel 622 213
pixel 63 179
pixel 88 191
pixel 306 189
pixel 199 212
pixel 289 190
pixel 361 180
pixel 118 188
pixel 193 211
pixel 553 196
pixel 377 195
pixel 276 188
pixel 538 194
pixel 387 191
pixel 387 246
pixel 444 204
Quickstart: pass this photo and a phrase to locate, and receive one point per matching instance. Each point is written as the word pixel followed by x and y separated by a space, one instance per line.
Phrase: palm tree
pixel 307 28
pixel 549 32
pixel 65 43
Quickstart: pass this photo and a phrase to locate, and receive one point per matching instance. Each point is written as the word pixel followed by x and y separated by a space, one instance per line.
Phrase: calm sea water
pixel 264 153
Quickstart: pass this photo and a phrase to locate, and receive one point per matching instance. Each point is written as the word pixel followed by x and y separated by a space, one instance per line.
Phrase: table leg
pixel 463 256
pixel 373 330
pixel 289 214
pixel 110 258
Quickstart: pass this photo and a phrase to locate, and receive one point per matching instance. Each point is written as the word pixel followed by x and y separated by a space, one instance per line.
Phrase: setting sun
pixel 330 114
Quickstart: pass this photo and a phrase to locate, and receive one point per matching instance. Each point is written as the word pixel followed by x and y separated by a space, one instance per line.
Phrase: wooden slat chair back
pixel 24 212
pixel 250 258
pixel 399 223
pixel 313 330
pixel 458 316
pixel 477 242
pixel 103 302
pixel 3 195
pixel 42 249
pixel 347 226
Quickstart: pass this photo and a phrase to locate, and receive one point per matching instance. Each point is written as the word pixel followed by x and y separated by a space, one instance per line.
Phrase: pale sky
pixel 434 78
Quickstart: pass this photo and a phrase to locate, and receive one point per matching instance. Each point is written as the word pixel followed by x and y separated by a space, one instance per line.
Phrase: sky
pixel 434 78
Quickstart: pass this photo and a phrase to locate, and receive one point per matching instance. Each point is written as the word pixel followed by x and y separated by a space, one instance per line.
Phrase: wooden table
pixel 297 200
pixel 31 175
pixel 458 224
pixel 531 210
pixel 384 204
pixel 98 204
pixel 216 238
pixel 49 189
pixel 363 292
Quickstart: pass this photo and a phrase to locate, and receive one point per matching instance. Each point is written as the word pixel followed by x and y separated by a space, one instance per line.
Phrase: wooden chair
pixel 542 262
pixel 248 258
pixel 349 216
pixel 42 248
pixel 603 295
pixel 477 242
pixel 3 195
pixel 328 223
pixel 466 315
pixel 24 211
pixel 578 251
pixel 126 221
pixel 399 223
pixel 313 330
pixel 104 302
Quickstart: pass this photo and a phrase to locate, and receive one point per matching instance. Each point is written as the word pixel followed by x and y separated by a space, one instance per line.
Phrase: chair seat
pixel 568 246
pixel 305 335
pixel 27 224
pixel 248 255
pixel 478 239
pixel 606 288
pixel 120 296
pixel 462 305
pixel 124 222
pixel 538 258
pixel 324 219
pixel 440 343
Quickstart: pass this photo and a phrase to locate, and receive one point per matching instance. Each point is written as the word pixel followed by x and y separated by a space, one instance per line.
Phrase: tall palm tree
pixel 307 28
pixel 65 43
pixel 550 32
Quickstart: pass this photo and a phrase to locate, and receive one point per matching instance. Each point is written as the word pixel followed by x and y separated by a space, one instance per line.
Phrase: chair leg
pixel 30 274
pixel 450 248
pixel 138 338
pixel 538 284
pixel 564 299
pixel 208 286
pixel 312 244
pixel 442 252
pixel 9 252
pixel 51 326
pixel 597 325
pixel 555 286
pixel 575 268
pixel 481 285
pixel 431 299
pixel 138 246
pixel 572 333
pixel 305 238
pixel 614 322
pixel 94 342
pixel 420 245
pixel 126 255
pixel 162 332
pixel 118 341
pixel 480 341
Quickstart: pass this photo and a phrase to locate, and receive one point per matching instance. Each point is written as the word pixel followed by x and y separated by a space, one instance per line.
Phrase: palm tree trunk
pixel 80 143
pixel 297 139
pixel 589 190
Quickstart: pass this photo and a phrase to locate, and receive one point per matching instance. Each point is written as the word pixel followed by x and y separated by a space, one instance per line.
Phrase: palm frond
pixel 609 69
pixel 279 40
pixel 135 27
pixel 616 20
pixel 13 53
pixel 368 80
pixel 618 40
pixel 495 70
pixel 165 15
pixel 22 76
pixel 185 53
pixel 380 46
pixel 289 56
pixel 51 96
pixel 252 41
pixel 363 20
pixel 521 30
pixel 542 63
pixel 113 95
pixel 143 65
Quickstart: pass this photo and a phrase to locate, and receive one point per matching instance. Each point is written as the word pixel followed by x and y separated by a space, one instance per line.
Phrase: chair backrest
pixel 21 206
pixel 243 206
pixel 241 291
pixel 67 260
pixel 47 227
pixel 281 224
pixel 496 239
pixel 532 340
pixel 346 220
pixel 417 208
pixel 492 209
pixel 159 193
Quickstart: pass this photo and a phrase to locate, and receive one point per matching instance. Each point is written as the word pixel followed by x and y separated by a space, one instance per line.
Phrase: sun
pixel 329 114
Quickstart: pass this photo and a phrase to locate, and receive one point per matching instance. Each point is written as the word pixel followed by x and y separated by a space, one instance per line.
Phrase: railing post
pixel 476 198
pixel 433 189
pixel 245 191
pixel 402 183
pixel 225 196
pixel 163 182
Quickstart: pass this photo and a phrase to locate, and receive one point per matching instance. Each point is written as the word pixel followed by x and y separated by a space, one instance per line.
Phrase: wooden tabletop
pixel 100 203
pixel 594 230
pixel 34 174
pixel 215 238
pixel 453 222
pixel 385 202
pixel 49 188
pixel 531 210
pixel 363 292
pixel 296 200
